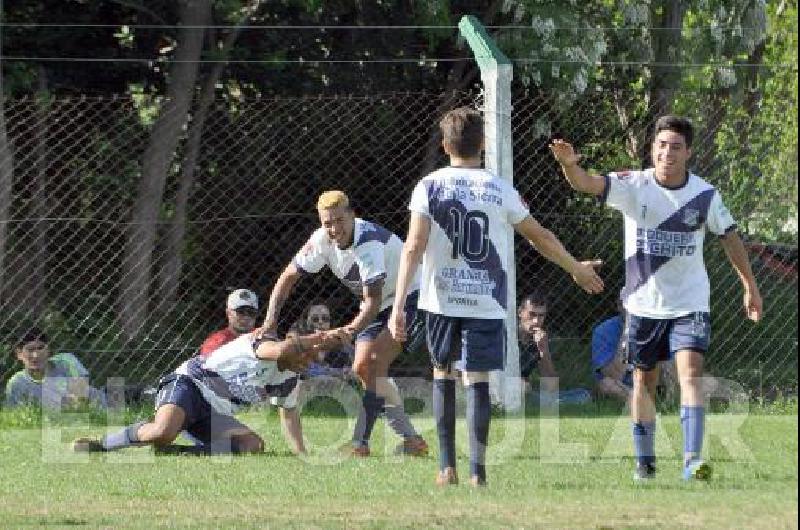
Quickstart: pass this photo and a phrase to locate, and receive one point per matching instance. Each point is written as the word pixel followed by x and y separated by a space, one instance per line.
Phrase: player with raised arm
pixel 459 220
pixel 202 395
pixel 364 256
pixel 667 210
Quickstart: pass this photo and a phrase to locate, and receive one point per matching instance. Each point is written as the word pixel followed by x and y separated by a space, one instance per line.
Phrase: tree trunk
pixel 665 76
pixel 136 268
pixel 173 261
pixel 33 296
pixel 6 184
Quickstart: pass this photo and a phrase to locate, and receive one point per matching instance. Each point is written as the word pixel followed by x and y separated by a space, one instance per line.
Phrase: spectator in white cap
pixel 241 311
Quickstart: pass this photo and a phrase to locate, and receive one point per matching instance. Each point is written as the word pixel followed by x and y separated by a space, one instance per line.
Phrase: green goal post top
pixel 483 46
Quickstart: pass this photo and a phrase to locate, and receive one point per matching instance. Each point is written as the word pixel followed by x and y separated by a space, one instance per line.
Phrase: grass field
pixel 537 484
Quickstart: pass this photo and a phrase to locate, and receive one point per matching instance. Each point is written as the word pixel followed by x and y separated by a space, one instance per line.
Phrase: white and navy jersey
pixel 465 264
pixel 665 276
pixel 373 256
pixel 234 377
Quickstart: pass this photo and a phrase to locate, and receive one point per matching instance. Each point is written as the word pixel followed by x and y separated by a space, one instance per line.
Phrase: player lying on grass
pixel 202 395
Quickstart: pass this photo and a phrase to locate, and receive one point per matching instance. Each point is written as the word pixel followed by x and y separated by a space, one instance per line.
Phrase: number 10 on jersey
pixel 469 232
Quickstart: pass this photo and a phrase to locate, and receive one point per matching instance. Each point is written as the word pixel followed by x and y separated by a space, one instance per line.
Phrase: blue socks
pixel 444 412
pixel 644 442
pixel 127 437
pixel 692 424
pixel 373 405
pixel 479 411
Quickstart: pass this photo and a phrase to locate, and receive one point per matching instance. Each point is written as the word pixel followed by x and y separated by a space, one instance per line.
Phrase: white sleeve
pixel 311 258
pixel 370 262
pixel 419 200
pixel 516 209
pixel 720 221
pixel 620 191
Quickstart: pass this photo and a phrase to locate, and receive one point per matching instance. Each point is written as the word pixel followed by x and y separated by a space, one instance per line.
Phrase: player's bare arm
pixel 577 177
pixel 546 243
pixel 416 241
pixel 280 293
pixel 297 352
pixel 737 255
pixel 370 307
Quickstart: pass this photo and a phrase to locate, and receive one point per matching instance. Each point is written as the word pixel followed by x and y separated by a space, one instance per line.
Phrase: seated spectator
pixel 50 381
pixel 317 318
pixel 241 311
pixel 613 377
pixel 534 351
pixel 534 343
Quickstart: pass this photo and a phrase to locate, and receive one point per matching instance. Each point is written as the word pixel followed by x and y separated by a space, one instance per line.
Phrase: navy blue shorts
pixel 374 329
pixel 651 340
pixel 468 344
pixel 201 421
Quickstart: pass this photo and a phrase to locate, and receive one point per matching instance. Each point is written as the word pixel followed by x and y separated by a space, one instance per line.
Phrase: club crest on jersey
pixel 691 217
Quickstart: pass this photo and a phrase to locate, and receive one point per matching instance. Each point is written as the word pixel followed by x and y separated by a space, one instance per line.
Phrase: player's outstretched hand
pixel 336 338
pixel 564 153
pixel 300 355
pixel 585 276
pixel 753 305
pixel 397 326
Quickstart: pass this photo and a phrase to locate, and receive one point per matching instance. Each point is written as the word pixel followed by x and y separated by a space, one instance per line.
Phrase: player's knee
pixel 161 434
pixel 363 369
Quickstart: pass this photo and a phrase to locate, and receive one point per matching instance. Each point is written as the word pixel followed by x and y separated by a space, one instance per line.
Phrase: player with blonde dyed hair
pixel 333 199
pixel 364 256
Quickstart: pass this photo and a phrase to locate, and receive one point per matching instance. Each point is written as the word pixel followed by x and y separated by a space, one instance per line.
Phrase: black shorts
pixel 468 344
pixel 201 420
pixel 651 340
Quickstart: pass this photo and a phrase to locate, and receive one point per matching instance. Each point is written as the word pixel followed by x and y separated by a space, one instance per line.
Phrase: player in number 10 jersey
pixel 460 217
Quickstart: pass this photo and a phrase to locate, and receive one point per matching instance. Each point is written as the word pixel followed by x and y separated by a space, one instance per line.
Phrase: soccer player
pixel 241 310
pixel 459 220
pixel 202 395
pixel 667 210
pixel 364 256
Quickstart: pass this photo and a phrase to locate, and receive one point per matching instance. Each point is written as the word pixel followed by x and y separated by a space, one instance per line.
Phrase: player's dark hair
pixel 677 124
pixel 462 132
pixel 535 297
pixel 31 334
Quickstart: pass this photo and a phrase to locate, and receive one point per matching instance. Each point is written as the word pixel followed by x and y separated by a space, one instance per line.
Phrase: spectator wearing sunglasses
pixel 241 311
pixel 336 362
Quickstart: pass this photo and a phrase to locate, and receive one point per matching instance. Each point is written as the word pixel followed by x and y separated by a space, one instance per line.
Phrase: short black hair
pixel 677 124
pixel 31 334
pixel 535 297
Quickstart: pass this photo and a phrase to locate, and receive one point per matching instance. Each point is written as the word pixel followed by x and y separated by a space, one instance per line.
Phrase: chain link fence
pixel 238 201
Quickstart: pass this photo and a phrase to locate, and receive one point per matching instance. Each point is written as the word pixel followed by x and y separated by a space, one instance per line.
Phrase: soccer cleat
pixel 696 469
pixel 412 446
pixel 87 445
pixel 644 472
pixel 477 482
pixel 360 451
pixel 447 477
